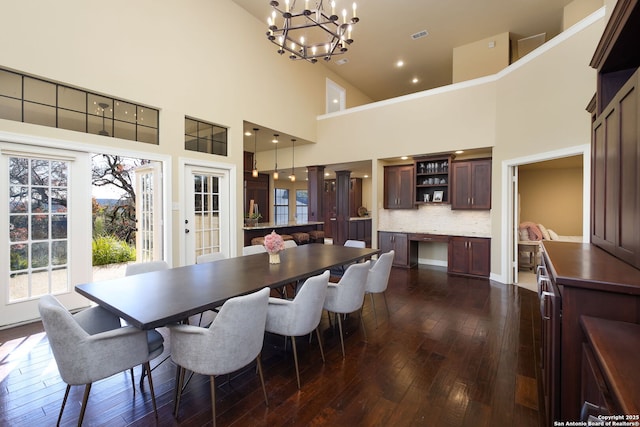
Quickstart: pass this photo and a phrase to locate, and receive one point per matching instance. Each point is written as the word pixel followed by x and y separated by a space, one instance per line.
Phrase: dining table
pixel 159 298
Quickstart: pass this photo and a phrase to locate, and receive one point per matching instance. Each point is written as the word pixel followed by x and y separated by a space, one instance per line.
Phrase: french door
pixel 149 223
pixel 45 206
pixel 207 213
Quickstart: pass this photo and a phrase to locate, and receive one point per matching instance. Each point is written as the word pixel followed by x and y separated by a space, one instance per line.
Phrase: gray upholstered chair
pixel 233 340
pixel 253 249
pixel 338 271
pixel 378 279
pixel 213 256
pixel 300 316
pixel 154 337
pixel 347 295
pixel 355 244
pixel 91 346
pixel 145 267
pixel 290 244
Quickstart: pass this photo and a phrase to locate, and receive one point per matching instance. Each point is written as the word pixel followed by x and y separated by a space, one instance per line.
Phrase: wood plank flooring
pixel 453 352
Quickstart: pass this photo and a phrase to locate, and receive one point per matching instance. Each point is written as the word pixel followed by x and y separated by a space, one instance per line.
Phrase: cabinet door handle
pixel 468 200
pixel 472 201
pixel 543 305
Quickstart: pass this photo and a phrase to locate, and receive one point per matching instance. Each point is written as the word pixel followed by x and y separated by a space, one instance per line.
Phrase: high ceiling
pixel 383 37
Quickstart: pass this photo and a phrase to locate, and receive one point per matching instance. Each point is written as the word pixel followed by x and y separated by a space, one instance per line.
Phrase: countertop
pixel 440 232
pixel 271 225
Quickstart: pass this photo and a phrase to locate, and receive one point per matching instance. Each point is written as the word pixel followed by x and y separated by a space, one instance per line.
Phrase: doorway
pixel 539 189
pixel 207 221
pixel 46 209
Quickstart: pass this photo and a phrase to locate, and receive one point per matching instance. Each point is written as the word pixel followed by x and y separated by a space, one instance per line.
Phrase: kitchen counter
pixel 264 228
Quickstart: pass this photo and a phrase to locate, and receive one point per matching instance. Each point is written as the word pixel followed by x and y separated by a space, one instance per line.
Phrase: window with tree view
pixel 38 241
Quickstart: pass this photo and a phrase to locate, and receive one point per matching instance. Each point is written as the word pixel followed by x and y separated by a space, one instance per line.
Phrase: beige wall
pixel 481 58
pixel 577 10
pixel 553 198
pixel 175 56
pixel 534 106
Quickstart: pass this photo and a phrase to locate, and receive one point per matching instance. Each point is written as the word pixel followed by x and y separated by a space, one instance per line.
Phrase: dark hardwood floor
pixel 454 352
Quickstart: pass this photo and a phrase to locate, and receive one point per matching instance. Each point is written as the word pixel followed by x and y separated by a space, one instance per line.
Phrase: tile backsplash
pixel 436 219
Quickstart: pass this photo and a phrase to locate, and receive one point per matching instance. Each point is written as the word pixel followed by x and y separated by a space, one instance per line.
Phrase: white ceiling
pixel 383 36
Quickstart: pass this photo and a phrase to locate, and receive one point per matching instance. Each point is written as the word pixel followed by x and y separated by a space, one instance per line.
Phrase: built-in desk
pixel 467 255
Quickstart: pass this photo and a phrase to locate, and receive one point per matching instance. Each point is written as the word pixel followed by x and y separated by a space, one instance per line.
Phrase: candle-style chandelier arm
pixel 296 22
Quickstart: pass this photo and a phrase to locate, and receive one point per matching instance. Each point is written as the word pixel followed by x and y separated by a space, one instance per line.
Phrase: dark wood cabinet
pixel 615 168
pixel 257 189
pixel 432 178
pixel 593 283
pixel 469 256
pixel 406 251
pixel 360 229
pixel 615 206
pixel 471 184
pixel 398 187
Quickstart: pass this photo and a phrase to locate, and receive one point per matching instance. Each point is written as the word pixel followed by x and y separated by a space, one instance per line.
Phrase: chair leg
pixel 178 394
pixel 64 402
pixel 264 389
pixel 364 330
pixel 144 371
pixel 85 399
pixel 133 383
pixel 295 359
pixel 320 343
pixel 373 305
pixel 147 367
pixel 341 339
pixel 384 295
pixel 212 380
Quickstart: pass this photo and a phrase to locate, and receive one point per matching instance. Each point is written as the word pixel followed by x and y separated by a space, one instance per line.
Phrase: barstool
pixel 300 238
pixel 316 236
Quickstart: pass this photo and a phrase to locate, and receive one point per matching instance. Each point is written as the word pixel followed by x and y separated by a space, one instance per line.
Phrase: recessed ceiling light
pixel 404 157
pixel 247 133
pixel 366 176
pixel 414 80
pixel 400 63
pixel 459 151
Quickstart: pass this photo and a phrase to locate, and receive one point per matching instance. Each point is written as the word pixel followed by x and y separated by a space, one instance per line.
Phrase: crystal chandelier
pixel 310 34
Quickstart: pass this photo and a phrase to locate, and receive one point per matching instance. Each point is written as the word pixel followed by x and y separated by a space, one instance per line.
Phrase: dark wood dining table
pixel 158 298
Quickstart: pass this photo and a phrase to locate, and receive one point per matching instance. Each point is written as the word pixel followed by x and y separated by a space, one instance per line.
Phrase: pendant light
pixel 254 172
pixel 275 141
pixel 292 177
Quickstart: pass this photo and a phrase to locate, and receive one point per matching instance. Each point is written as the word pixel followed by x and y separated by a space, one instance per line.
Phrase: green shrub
pixel 109 250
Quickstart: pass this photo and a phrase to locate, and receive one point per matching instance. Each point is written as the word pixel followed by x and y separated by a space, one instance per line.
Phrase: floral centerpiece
pixel 274 243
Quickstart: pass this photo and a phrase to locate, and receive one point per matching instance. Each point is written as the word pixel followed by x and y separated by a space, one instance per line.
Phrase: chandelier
pixel 310 34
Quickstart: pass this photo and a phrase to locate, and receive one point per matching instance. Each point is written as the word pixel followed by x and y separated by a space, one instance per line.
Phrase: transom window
pixel 205 137
pixel 33 100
